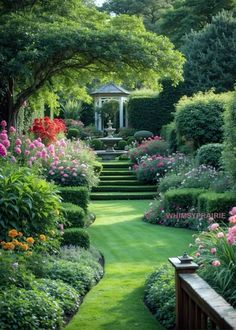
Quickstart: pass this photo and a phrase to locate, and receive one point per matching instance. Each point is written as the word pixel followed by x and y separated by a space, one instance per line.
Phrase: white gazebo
pixel 107 93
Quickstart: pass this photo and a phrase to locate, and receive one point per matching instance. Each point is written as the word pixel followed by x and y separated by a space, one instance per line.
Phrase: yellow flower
pixel 30 240
pixel 29 253
pixel 57 212
pixel 9 246
pixel 13 233
pixel 42 237
pixel 15 242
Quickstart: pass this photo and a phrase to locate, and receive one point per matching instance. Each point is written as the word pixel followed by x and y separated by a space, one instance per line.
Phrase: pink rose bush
pixel 216 255
pixel 65 162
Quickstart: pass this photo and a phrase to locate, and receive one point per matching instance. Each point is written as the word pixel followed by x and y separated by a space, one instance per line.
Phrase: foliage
pixel 178 20
pixel 29 310
pixel 216 203
pixel 126 132
pixel 159 295
pixel 76 237
pixel 151 113
pixel 28 204
pixel 140 135
pixel 74 214
pixel 75 195
pixel 51 49
pixel 216 253
pixel 121 145
pixel 155 146
pixel 168 133
pixel 170 181
pixel 229 153
pixel 78 275
pixel 64 294
pixel 96 144
pixel 151 168
pixel 210 154
pixel 73 133
pixel 71 109
pixel 199 119
pixel 97 167
pixel 109 109
pixel 213 48
pixel 200 177
pixel 47 129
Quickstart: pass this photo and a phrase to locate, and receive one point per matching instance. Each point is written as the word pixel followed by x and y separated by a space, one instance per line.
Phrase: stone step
pixel 117 177
pixel 124 188
pixel 122 195
pixel 125 182
pixel 115 173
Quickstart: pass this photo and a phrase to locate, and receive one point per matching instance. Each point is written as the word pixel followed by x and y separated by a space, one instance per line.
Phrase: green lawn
pixel 132 249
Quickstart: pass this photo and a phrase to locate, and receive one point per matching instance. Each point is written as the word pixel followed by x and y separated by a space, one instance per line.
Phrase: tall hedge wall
pixel 151 113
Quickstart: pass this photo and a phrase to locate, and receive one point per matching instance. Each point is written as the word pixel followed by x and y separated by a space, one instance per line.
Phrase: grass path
pixel 132 249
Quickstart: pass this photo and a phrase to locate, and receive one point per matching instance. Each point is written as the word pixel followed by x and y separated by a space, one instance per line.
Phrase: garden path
pixel 132 249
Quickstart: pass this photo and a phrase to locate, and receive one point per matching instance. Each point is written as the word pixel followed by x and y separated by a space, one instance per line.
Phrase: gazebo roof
pixel 110 89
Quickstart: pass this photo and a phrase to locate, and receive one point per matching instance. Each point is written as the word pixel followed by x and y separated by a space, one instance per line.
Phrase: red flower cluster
pixel 47 129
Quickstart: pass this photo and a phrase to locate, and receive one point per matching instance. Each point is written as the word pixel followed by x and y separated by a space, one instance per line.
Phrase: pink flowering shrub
pixel 216 255
pixel 151 168
pixel 152 146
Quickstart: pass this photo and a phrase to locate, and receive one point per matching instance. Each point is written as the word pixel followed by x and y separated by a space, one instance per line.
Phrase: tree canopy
pixel 59 44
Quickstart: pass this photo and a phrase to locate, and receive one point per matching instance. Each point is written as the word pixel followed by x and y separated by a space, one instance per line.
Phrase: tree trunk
pixel 8 111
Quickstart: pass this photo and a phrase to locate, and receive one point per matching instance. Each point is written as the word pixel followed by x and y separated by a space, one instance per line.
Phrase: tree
pixel 185 15
pixel 149 10
pixel 210 54
pixel 57 44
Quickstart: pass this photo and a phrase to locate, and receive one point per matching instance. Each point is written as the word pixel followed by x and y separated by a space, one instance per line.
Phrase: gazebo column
pixel 126 117
pixel 98 117
pixel 121 111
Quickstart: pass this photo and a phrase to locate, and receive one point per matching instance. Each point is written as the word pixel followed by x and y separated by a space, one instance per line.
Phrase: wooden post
pixel 182 265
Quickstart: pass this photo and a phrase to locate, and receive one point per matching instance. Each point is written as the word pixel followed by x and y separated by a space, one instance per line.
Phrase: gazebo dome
pixel 110 89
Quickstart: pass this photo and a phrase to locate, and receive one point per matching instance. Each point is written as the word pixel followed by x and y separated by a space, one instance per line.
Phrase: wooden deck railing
pixel 198 306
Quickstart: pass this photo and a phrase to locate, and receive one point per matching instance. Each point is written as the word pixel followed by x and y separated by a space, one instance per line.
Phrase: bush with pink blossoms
pixel 152 146
pixel 151 168
pixel 216 255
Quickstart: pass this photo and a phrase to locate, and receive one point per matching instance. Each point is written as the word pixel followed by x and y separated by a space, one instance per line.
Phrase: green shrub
pixel 76 237
pixel 159 295
pixel 81 277
pixel 199 119
pixel 64 294
pixel 121 145
pixel 126 132
pixel 217 203
pixel 74 214
pixel 229 153
pixel 130 140
pixel 168 133
pixel 181 200
pixel 90 257
pixel 210 154
pixel 97 167
pixel 28 203
pixel 75 195
pixel 28 310
pixel 96 144
pixel 171 181
pixel 73 133
pixel 140 135
pixel 200 177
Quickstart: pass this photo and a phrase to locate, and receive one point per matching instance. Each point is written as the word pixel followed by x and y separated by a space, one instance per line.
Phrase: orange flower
pixel 24 246
pixel 13 233
pixel 30 240
pixel 42 237
pixel 9 246
pixel 15 242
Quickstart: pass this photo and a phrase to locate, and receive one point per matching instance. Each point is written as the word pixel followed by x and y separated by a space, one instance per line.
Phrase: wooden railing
pixel 198 306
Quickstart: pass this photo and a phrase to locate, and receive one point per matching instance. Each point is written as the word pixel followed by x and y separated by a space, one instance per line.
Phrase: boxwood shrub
pixel 217 203
pixel 181 200
pixel 74 214
pixel 75 195
pixel 76 237
pixel 29 310
pixel 159 295
pixel 210 154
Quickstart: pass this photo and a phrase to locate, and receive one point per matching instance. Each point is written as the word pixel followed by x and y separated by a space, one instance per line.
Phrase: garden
pixel 85 242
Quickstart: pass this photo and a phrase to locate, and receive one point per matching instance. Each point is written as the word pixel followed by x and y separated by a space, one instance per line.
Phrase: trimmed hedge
pixel 75 195
pixel 74 214
pixel 140 135
pixel 218 203
pixel 179 200
pixel 76 237
pixel 210 154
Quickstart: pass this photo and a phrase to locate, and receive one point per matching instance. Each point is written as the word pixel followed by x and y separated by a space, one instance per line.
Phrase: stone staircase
pixel 117 181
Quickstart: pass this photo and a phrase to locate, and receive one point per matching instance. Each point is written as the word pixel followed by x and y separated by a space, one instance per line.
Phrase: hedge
pixel 210 154
pixel 76 237
pixel 181 200
pixel 217 203
pixel 75 195
pixel 74 214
